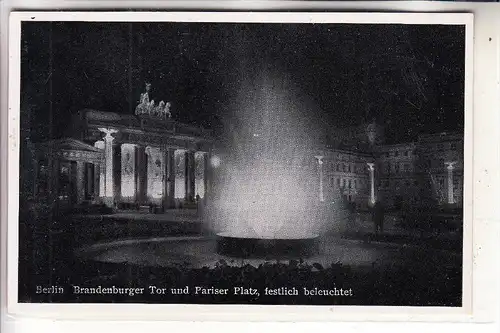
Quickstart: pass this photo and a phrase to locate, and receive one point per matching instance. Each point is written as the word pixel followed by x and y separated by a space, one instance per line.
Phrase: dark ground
pixel 47 258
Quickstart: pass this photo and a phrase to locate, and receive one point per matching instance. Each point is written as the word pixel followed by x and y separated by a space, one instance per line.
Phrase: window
pixel 396 168
pixel 415 182
pixel 396 153
pixel 349 182
pixel 387 154
pixel 338 182
pixel 407 167
pixel 355 183
pixel 454 145
pixel 338 167
pixel 406 153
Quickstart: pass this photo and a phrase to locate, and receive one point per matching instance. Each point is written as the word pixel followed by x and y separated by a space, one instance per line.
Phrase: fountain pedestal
pixel 273 248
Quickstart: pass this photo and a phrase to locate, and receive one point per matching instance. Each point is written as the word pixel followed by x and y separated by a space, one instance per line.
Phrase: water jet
pixel 268 199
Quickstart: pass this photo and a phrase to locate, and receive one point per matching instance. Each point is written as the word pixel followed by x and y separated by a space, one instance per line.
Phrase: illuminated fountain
pixel 267 199
pixel 266 202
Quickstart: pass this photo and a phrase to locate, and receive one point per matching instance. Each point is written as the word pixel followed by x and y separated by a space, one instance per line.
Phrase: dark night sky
pixel 409 77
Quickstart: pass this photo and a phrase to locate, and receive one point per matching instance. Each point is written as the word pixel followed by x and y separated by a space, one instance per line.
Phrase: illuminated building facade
pixel 347 176
pixel 363 169
pixel 132 160
pixel 440 164
pixel 127 161
pixel 429 169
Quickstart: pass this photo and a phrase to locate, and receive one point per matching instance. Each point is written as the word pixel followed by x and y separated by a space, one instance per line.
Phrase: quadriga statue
pixel 145 106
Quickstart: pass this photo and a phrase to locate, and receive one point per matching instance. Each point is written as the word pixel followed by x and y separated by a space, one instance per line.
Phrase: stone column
pixel 192 175
pixel 206 175
pixel 155 174
pixel 149 178
pixel 169 183
pixel 371 168
pixel 186 175
pixel 80 181
pixel 201 174
pixel 117 172
pixel 180 173
pixel 108 167
pixel 320 170
pixel 189 175
pixel 100 172
pixel 128 174
pixel 450 166
pixel 141 171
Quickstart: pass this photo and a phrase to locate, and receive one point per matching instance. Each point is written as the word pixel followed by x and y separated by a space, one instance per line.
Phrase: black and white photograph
pixel 273 162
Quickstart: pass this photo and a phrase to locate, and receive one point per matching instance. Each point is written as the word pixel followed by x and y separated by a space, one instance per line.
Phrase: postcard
pixel 259 161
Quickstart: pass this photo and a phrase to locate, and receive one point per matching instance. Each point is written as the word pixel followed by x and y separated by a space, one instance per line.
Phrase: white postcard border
pixel 251 312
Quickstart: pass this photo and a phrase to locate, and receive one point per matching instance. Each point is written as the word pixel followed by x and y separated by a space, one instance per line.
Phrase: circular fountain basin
pixel 248 246
pixel 201 252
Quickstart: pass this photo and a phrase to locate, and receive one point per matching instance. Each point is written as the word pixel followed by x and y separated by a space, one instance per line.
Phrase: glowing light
pixel 108 155
pixel 268 187
pixel 320 168
pixel 128 186
pixel 180 174
pixel 371 168
pixel 199 185
pixel 449 167
pixel 215 161
pixel 155 172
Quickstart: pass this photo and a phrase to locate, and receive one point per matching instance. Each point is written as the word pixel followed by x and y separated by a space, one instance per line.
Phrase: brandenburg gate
pixel 142 159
